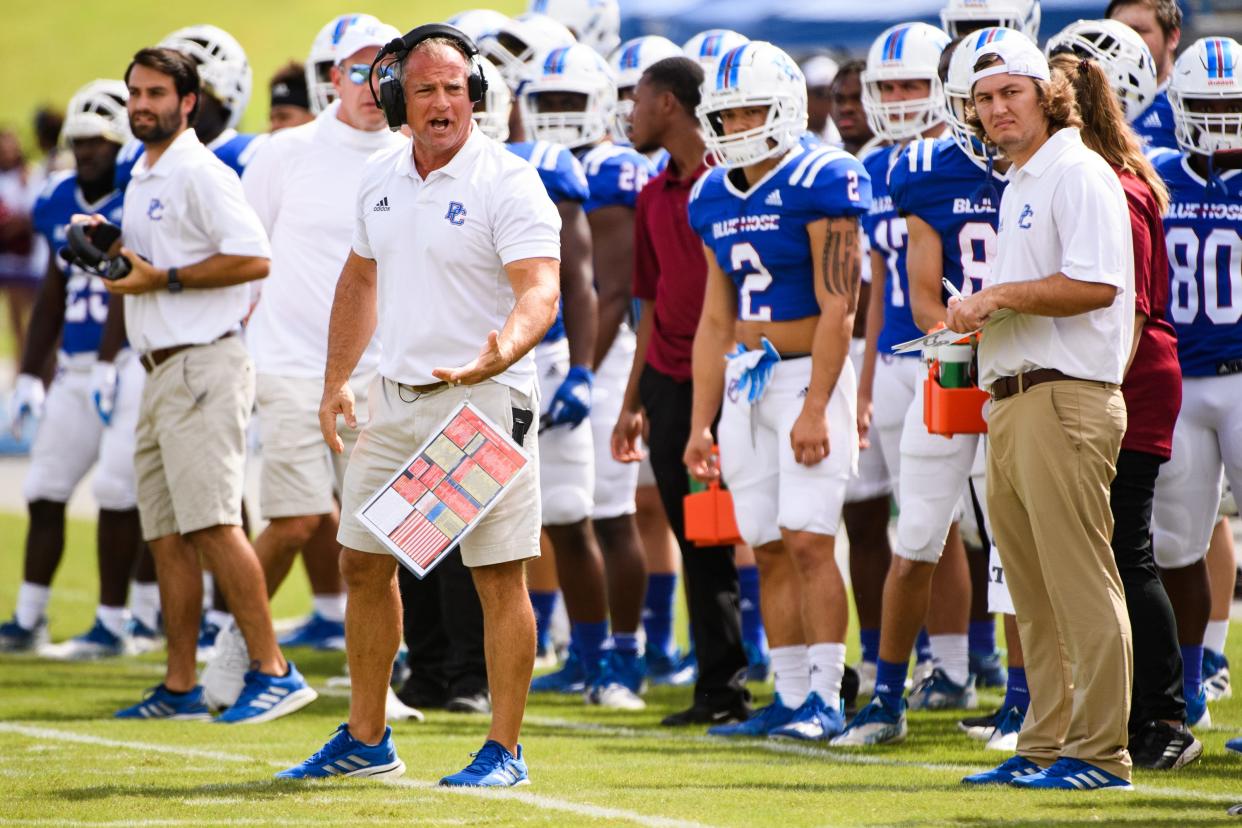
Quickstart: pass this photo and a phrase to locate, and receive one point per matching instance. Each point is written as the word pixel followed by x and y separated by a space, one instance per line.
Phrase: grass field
pixel 64 761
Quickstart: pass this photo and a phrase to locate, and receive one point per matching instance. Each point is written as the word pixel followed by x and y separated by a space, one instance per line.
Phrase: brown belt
pixel 1008 386
pixel 154 359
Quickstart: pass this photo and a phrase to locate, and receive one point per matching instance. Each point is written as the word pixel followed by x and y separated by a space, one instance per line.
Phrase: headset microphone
pixel 391 96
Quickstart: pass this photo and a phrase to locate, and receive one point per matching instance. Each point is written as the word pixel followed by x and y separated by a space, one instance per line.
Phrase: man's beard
pixel 164 127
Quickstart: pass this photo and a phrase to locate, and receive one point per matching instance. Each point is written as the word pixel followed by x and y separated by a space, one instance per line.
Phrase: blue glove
pixel 756 369
pixel 572 401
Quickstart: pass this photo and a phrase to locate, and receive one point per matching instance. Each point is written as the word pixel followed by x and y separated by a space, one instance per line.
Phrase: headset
pixel 391 95
pixel 88 249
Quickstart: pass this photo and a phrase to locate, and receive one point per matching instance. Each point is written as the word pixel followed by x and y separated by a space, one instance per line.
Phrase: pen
pixel 953 291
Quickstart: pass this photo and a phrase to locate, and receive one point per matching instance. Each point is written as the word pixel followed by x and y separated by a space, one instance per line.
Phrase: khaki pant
pixel 1052 454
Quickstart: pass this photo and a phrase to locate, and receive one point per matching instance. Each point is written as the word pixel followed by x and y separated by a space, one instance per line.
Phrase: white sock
pixel 792 674
pixel 220 619
pixel 827 662
pixel 31 604
pixel 331 607
pixel 1214 637
pixel 114 619
pixel 144 603
pixel 951 653
pixel 209 591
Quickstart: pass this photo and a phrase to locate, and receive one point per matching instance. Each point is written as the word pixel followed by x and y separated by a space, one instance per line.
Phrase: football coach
pixel 455 257
pixel 1062 296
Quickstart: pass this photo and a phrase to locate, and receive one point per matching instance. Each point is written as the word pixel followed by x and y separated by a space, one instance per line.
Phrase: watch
pixel 174 281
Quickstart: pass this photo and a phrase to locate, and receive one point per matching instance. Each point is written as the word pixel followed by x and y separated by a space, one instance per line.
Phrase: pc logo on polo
pixel 155 210
pixel 456 213
pixel 1024 220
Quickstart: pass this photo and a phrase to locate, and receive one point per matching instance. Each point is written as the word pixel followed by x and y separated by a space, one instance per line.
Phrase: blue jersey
pixel 1205 264
pixel 86 298
pixel 615 174
pixel 759 237
pixel 231 147
pixel 934 180
pixel 886 231
pixel 1155 125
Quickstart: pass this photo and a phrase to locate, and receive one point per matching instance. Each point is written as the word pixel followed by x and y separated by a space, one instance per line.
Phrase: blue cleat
pixel 620 682
pixel 493 767
pixel 762 722
pixel 1008 724
pixel 207 632
pixel 160 703
pixel 671 669
pixel 317 632
pixel 814 721
pixel 758 662
pixel 571 678
pixel 344 755
pixel 142 639
pixel 1015 767
pixel 875 724
pixel 97 642
pixel 988 669
pixel 1216 675
pixel 1197 714
pixel 265 697
pixel 1068 774
pixel 939 692
pixel 1235 745
pixel 14 638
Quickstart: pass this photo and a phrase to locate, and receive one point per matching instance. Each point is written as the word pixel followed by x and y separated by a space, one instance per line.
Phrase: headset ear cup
pixel 392 101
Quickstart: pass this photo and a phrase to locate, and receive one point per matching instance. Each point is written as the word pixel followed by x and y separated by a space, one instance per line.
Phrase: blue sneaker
pixel 493 767
pixel 620 682
pixel 875 724
pixel 762 722
pixel 1197 714
pixel 344 755
pixel 1008 725
pixel 571 678
pixel 939 692
pixel 671 669
pixel 988 669
pixel 142 639
pixel 814 721
pixel 14 638
pixel 1015 767
pixel 1216 675
pixel 159 703
pixel 265 697
pixel 758 662
pixel 207 633
pixel 1068 774
pixel 1235 745
pixel 317 632
pixel 97 642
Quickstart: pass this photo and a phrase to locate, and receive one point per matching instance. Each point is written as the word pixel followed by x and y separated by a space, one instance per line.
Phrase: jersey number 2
pixel 744 255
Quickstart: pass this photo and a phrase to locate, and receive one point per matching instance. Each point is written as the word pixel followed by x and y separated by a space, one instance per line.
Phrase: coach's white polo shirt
pixel 440 246
pixel 1063 212
pixel 187 207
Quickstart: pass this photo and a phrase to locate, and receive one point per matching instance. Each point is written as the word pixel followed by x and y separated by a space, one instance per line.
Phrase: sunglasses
pixel 359 73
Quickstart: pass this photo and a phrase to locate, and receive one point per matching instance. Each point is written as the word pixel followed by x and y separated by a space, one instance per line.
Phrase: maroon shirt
pixel 1153 385
pixel 669 269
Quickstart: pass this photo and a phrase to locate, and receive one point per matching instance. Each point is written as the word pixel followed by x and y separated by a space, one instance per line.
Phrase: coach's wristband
pixel 174 281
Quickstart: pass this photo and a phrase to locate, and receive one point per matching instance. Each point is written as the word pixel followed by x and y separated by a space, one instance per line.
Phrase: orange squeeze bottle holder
pixel 949 411
pixel 709 516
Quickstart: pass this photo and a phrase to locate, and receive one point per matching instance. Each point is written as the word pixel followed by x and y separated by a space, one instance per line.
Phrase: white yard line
pixel 88 739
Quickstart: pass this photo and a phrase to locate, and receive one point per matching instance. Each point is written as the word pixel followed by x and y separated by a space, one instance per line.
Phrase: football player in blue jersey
pixel 513 44
pixel 570 98
pixel 1205 305
pixel 72 308
pixel 1159 23
pixel 779 223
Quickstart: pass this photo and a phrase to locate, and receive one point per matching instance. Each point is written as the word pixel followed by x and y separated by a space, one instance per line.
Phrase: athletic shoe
pixel 225 674
pixel 866 677
pixel 571 678
pixel 317 632
pixel 762 722
pixel 1235 810
pixel 159 703
pixel 1161 746
pixel 141 639
pixel 207 633
pixel 1015 767
pixel 479 701
pixel 1068 774
pixel 980 727
pixel 344 755
pixel 396 710
pixel 1235 745
pixel 1197 713
pixel 939 692
pixel 671 669
pixel 1216 675
pixel 814 721
pixel 269 697
pixel 921 673
pixel 97 642
pixel 875 724
pixel 1005 736
pixel 758 662
pixel 620 682
pixel 849 691
pixel 14 638
pixel 701 714
pixel 988 669
pixel 493 767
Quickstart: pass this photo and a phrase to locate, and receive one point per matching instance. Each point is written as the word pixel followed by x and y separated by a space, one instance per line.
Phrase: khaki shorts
pixel 401 421
pixel 190 448
pixel 300 473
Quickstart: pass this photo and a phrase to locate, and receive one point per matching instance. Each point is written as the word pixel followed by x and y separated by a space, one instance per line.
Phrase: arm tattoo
pixel 842 262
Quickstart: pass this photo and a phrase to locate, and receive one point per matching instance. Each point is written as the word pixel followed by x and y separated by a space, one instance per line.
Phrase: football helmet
pixel 960 17
pixel 957 87
pixel 1208 71
pixel 707 47
pixel 628 63
pixel 493 118
pixel 97 110
pixel 323 57
pixel 577 69
pixel 1121 52
pixel 516 42
pixel 595 23
pixel 222 65
pixel 909 51
pixel 753 74
pixel 477 22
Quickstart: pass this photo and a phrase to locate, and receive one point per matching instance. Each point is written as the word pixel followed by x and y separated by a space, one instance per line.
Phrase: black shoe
pixel 980 727
pixel 422 696
pixel 698 714
pixel 849 691
pixel 1161 746
pixel 478 702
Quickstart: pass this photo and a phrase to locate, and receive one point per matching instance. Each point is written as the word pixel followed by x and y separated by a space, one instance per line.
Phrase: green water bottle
pixel 954 365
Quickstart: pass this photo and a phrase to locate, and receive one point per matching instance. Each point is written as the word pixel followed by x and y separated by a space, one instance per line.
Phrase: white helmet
pixel 97 110
pixel 1210 70
pixel 707 47
pixel 323 57
pixel 476 23
pixel 514 44
pixel 596 23
pixel 493 118
pixel 753 74
pixel 960 17
pixel 628 63
pixel 909 51
pixel 578 69
pixel 222 65
pixel 957 87
pixel 1121 52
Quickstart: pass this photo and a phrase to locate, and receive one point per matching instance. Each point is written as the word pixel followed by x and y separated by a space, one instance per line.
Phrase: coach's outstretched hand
pixel 490 362
pixel 336 401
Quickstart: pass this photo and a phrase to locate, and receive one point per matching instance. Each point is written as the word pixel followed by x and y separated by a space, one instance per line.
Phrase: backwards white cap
pixel 364 36
pixel 1019 56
